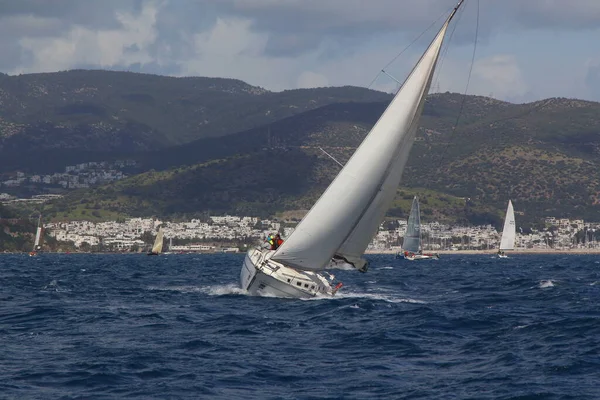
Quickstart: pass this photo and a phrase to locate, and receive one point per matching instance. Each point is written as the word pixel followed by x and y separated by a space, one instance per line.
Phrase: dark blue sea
pixel 83 326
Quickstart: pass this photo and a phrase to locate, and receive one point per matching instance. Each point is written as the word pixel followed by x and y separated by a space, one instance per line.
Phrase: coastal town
pixel 83 175
pixel 235 233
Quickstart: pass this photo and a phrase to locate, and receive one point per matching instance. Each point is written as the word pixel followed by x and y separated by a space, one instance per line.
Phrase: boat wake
pixel 368 296
pixel 212 290
pixel 53 286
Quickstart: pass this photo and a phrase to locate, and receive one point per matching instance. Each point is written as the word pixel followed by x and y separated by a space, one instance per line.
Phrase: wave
pixel 211 290
pixel 546 283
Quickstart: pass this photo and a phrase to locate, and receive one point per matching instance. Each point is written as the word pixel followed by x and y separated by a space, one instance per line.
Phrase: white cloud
pixel 309 79
pixel 104 48
pixel 283 44
pixel 231 49
pixel 501 75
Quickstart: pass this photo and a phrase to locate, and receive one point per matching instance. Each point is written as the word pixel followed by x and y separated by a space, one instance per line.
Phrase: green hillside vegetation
pixel 223 146
pixel 49 120
pixel 500 151
pixel 16 233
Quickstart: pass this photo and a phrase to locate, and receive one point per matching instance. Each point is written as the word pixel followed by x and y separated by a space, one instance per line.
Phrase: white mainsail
pixel 509 232
pixel 38 237
pixel 37 244
pixel 412 238
pixel 345 218
pixel 158 242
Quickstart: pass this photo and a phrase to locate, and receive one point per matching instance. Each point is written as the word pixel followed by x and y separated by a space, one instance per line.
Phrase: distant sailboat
pixel 412 244
pixel 341 224
pixel 509 232
pixel 170 246
pixel 39 238
pixel 158 243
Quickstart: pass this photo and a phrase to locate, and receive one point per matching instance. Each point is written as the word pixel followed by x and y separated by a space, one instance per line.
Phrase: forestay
pixel 345 218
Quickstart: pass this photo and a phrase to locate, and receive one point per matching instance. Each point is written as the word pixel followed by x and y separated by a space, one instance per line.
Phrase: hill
pixel 541 155
pixel 16 233
pixel 51 120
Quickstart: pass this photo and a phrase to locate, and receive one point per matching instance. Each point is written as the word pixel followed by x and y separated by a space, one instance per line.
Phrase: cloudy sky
pixel 526 49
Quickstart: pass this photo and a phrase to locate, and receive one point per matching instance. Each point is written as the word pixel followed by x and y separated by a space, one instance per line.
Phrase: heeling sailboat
pixel 509 232
pixel 158 243
pixel 412 244
pixel 341 224
pixel 39 238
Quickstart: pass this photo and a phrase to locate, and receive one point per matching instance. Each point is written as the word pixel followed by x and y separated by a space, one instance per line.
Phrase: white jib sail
pixel 38 237
pixel 347 215
pixel 509 232
pixel 158 242
pixel 412 238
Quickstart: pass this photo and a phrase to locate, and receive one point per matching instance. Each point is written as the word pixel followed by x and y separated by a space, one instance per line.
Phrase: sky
pixel 526 50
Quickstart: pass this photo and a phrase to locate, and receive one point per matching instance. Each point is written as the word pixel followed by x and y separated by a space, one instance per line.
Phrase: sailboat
pixel 170 246
pixel 412 239
pixel 39 238
pixel 341 224
pixel 158 243
pixel 509 232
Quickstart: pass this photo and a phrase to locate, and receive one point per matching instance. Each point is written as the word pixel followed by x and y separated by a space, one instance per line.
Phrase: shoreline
pixel 494 251
pixel 368 252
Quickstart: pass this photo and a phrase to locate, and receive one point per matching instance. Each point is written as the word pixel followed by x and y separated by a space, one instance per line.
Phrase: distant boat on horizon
pixel 413 243
pixel 158 243
pixel 509 232
pixel 39 238
pixel 170 247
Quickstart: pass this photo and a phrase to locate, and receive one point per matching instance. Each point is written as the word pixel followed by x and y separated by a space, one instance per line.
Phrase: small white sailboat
pixel 158 243
pixel 509 232
pixel 170 246
pixel 39 238
pixel 340 225
pixel 412 244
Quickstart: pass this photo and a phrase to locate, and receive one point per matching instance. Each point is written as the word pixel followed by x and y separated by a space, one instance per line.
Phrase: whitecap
pixel 213 290
pixel 370 296
pixel 223 290
pixel 546 284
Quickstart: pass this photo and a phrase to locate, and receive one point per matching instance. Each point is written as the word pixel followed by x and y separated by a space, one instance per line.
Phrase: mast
pixel 346 216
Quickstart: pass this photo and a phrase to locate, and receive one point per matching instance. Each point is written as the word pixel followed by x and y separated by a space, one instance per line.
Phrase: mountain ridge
pixel 263 156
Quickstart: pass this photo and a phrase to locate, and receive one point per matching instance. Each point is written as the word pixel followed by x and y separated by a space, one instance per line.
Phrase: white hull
pixel 261 276
pixel 502 256
pixel 416 257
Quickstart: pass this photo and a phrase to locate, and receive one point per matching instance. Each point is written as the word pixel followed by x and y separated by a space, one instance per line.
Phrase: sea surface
pixel 81 326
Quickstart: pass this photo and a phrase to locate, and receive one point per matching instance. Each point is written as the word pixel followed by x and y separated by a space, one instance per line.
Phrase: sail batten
pixel 509 231
pixel 345 218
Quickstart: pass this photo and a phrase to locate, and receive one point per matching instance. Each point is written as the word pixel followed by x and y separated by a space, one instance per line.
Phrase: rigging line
pixel 406 48
pixel 464 98
pixel 332 157
pixel 447 47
